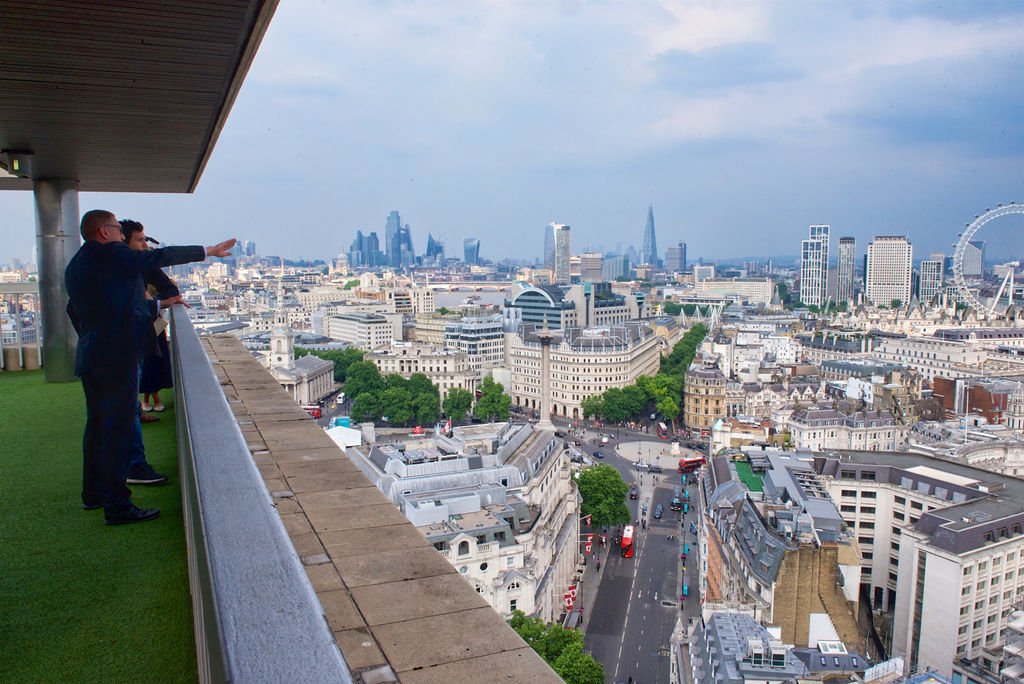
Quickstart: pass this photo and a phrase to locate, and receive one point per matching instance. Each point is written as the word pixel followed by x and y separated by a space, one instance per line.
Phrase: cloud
pixel 723 68
pixel 694 27
pixel 492 118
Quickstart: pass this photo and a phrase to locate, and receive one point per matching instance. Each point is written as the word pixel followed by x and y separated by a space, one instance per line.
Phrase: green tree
pixel 396 404
pixel 363 376
pixel 604 495
pixel 560 647
pixel 593 406
pixel 672 308
pixel 635 400
pixel 683 352
pixel 395 381
pixel 896 303
pixel 427 406
pixel 576 667
pixel 668 407
pixel 443 310
pixel 365 408
pixel 457 404
pixel 493 404
pixel 420 384
pixel 342 358
pixel 616 408
pixel 352 283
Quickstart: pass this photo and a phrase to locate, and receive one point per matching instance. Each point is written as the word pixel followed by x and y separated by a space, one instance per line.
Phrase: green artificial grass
pixel 749 477
pixel 81 601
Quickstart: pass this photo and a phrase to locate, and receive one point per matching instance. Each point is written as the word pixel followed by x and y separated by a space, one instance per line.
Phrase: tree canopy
pixel 493 404
pixel 457 403
pixel 604 495
pixel 363 376
pixel 342 358
pixel 404 401
pixel 561 648
pixel 365 407
pixel 660 394
pixel 396 404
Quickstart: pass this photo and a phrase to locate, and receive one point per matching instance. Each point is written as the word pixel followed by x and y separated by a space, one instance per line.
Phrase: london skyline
pixel 748 120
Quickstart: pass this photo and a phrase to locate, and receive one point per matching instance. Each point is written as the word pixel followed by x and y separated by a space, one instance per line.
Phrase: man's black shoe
pixel 91 506
pixel 145 475
pixel 132 514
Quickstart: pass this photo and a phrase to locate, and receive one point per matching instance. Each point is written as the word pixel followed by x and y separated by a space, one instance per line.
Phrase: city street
pixel 638 601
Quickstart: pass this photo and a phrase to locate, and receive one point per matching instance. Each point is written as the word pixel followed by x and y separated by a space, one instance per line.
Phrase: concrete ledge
pixel 397 609
pixel 257 617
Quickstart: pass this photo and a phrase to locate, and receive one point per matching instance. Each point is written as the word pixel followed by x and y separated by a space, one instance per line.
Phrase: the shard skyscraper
pixel 649 253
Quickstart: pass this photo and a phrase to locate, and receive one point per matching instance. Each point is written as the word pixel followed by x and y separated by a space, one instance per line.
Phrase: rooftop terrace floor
pixel 752 480
pixel 82 601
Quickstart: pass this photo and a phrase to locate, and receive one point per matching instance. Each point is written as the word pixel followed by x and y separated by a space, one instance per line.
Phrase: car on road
pixel 598 454
pixel 659 510
pixel 604 440
pixel 654 468
pixel 634 492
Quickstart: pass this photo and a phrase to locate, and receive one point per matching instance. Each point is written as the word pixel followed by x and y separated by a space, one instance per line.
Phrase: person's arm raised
pixel 221 249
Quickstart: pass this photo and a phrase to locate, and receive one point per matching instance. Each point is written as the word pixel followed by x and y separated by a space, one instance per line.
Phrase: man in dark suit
pixel 105 283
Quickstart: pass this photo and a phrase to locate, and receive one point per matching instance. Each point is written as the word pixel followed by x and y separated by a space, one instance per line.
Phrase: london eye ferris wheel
pixel 960 282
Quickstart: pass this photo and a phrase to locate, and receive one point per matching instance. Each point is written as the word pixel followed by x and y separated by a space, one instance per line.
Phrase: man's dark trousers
pixel 111 398
pixel 108 296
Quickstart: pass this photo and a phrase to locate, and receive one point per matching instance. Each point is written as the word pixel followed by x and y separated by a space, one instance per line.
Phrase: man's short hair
pixel 93 220
pixel 129 228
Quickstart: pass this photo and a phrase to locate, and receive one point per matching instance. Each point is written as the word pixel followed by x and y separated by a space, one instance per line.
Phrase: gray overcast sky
pixel 742 123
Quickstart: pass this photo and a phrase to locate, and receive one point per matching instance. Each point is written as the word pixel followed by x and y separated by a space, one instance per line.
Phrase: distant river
pixel 452 300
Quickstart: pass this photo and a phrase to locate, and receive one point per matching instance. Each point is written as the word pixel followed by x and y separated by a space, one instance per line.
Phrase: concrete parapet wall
pixel 398 610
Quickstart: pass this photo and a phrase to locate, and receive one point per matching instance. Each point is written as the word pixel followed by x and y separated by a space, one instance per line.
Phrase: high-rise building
pixel 549 247
pixel 591 267
pixel 392 243
pixel 471 247
pixel 930 284
pixel 365 251
pixel 887 270
pixel 844 278
pixel 557 250
pixel 435 251
pixel 974 259
pixel 649 252
pixel 814 267
pixel 675 258
pixel 615 266
pixel 406 256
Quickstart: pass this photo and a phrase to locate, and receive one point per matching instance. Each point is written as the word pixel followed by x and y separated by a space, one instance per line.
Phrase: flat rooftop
pixel 983 508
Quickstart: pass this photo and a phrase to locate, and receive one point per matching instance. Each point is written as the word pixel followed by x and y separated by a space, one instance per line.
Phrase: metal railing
pixel 257 618
pixel 20 342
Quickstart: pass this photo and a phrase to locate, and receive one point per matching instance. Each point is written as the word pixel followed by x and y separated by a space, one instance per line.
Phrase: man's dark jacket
pixel 108 294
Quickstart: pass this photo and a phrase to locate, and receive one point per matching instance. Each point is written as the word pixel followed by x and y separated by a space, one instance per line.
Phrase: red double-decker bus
pixel 313 410
pixel 627 542
pixel 689 465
